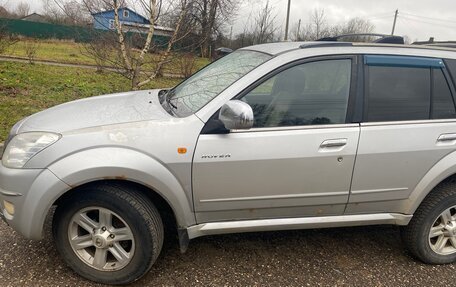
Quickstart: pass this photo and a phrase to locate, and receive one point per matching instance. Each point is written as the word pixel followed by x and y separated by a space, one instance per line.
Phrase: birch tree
pixel 134 63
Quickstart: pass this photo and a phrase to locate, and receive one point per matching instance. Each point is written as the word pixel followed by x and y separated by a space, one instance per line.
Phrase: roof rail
pixel 383 39
pixel 453 46
pixel 431 42
pixel 325 44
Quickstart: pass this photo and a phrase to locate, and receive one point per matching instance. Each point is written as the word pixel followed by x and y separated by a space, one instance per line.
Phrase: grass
pixel 26 89
pixel 53 50
pixel 74 53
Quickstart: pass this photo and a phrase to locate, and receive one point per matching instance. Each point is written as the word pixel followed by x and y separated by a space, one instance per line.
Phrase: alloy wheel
pixel 442 236
pixel 101 239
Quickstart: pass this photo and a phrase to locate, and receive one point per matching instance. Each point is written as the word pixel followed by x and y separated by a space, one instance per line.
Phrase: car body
pixel 244 159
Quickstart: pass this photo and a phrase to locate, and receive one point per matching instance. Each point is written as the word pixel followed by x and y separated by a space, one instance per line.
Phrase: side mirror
pixel 236 115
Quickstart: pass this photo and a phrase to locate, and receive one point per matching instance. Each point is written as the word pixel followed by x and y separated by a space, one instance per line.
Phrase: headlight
pixel 25 146
pixel 13 132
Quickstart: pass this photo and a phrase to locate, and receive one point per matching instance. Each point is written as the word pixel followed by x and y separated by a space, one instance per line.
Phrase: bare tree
pixel 51 11
pixel 129 61
pixel 318 28
pixel 264 27
pixel 134 68
pixel 354 26
pixel 187 64
pixel 211 15
pixel 22 9
pixel 357 26
pixel 126 47
pixel 100 49
pixel 101 5
pixel 74 13
pixel 69 12
pixel 245 38
pixel 318 23
pixel 31 48
pixel 5 12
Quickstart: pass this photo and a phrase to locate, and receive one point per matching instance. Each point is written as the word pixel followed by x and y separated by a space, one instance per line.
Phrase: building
pixel 35 17
pixel 130 20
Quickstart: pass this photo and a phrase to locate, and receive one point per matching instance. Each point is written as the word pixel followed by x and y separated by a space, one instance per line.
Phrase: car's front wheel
pixel 108 234
pixel 431 234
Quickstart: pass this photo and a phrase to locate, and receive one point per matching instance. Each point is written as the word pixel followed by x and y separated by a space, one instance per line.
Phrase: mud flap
pixel 184 241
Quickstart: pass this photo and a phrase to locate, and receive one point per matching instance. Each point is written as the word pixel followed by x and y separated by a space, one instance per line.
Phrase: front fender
pixel 126 164
pixel 440 171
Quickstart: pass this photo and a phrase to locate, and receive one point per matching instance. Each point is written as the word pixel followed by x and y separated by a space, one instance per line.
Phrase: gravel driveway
pixel 363 256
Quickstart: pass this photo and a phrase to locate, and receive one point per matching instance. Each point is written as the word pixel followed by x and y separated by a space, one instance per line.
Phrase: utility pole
pixel 288 20
pixel 298 37
pixel 231 37
pixel 394 23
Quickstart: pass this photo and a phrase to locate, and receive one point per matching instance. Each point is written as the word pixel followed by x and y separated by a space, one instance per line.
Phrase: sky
pixel 418 19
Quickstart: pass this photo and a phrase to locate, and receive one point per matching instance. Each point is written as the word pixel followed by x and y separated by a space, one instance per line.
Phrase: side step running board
pixel 224 227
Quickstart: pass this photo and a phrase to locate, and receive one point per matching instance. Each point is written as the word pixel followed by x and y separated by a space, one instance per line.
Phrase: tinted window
pixel 451 65
pixel 442 100
pixel 308 94
pixel 398 93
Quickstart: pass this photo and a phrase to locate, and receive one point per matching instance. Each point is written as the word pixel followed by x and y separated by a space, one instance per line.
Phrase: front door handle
pixel 447 138
pixel 336 143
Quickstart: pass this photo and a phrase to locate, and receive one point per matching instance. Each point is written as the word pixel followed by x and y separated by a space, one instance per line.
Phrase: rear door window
pixel 442 99
pixel 407 88
pixel 398 94
pixel 451 65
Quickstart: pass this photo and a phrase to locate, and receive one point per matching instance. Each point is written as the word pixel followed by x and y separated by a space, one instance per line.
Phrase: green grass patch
pixel 75 53
pixel 26 89
pixel 53 50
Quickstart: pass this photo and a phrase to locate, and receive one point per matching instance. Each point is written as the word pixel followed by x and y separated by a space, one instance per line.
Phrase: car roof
pixel 278 48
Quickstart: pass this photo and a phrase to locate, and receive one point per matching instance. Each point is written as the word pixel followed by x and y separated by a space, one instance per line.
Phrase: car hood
pixel 97 111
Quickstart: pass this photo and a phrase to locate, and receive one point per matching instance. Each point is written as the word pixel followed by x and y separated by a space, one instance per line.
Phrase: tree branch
pixel 164 60
pixel 121 37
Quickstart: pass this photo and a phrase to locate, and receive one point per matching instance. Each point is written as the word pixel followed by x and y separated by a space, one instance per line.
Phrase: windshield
pixel 198 90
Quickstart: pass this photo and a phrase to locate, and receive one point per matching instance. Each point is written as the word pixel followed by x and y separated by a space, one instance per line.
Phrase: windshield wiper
pixel 168 100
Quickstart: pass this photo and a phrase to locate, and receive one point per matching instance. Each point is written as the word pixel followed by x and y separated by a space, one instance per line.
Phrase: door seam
pixel 353 170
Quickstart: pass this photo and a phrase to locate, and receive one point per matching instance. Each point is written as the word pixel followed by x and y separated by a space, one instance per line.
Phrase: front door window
pixel 314 93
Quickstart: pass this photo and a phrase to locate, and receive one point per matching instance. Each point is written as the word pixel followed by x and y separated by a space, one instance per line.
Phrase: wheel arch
pixel 166 211
pixel 127 167
pixel 442 171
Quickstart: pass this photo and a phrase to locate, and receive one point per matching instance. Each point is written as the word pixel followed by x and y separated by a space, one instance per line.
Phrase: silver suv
pixel 271 137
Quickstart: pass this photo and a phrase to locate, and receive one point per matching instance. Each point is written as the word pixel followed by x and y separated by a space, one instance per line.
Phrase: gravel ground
pixel 363 256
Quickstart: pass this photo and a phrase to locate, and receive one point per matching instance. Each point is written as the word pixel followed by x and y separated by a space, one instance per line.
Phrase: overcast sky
pixel 418 19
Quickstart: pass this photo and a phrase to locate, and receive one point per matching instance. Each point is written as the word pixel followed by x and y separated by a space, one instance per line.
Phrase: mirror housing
pixel 236 115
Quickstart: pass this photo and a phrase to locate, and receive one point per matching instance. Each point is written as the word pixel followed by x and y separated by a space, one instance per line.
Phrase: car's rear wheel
pixel 108 234
pixel 431 234
pixel 442 236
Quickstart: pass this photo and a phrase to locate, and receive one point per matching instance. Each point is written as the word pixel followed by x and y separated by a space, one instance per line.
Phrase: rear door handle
pixel 447 138
pixel 336 143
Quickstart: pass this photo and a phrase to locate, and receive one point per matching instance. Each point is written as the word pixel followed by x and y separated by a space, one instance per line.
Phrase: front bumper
pixel 32 192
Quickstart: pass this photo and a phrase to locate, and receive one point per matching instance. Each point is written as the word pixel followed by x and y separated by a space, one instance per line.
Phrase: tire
pixel 117 251
pixel 438 206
